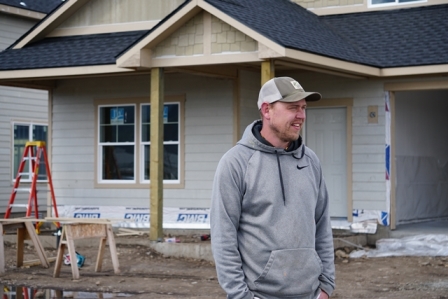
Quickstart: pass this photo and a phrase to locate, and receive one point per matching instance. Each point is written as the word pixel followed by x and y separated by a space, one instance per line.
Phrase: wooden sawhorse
pixel 77 231
pixel 25 231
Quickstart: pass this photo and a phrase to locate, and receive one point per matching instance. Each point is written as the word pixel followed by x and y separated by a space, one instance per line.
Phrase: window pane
pixel 125 133
pixel 171 113
pixel 170 162
pixel 146 113
pixel 108 133
pixel 146 116
pixel 146 163
pixel 40 134
pixel 21 137
pixel 171 132
pixel 146 132
pixel 170 122
pixel 117 124
pixel 117 115
pixel 118 162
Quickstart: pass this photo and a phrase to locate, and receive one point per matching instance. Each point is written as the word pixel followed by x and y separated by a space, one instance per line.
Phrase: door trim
pixel 348 105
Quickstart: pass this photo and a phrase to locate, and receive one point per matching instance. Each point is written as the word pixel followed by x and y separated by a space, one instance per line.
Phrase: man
pixel 270 224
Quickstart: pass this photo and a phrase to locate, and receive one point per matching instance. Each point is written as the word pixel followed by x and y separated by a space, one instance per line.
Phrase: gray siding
pixel 249 88
pixel 11 28
pixel 208 134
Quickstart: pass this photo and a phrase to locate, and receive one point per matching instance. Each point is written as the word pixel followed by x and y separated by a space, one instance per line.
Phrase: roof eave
pixel 61 72
pixel 26 13
pixel 334 64
pixel 415 70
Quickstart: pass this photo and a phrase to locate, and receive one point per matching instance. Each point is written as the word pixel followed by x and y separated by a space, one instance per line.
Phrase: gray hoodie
pixel 270 225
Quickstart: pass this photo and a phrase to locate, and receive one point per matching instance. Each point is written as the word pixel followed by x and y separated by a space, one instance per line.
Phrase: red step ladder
pixel 34 150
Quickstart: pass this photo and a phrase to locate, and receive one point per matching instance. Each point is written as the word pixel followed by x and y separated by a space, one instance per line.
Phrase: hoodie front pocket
pixel 290 272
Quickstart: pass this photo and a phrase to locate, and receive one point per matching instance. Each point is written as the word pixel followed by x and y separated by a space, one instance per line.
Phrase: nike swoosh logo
pixel 298 167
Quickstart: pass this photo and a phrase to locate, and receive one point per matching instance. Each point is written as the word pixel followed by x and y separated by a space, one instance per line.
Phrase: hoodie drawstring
pixel 301 155
pixel 281 178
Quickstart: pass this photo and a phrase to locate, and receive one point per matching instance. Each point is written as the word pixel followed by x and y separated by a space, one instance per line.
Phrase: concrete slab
pixel 429 227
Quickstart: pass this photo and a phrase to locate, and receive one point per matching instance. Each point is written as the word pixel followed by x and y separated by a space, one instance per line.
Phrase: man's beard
pixel 284 135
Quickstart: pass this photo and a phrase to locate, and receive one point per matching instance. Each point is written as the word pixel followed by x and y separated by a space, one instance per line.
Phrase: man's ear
pixel 264 110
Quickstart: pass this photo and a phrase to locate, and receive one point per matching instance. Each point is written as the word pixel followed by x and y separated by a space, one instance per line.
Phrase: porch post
pixel 267 70
pixel 156 155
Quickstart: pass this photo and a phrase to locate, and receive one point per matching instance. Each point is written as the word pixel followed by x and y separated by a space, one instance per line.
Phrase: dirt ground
pixel 147 274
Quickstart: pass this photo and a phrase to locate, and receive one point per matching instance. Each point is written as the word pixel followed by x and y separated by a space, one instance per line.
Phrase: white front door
pixel 326 135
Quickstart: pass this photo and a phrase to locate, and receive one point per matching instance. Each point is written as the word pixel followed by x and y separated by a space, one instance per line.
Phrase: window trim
pixel 28 123
pixel 138 183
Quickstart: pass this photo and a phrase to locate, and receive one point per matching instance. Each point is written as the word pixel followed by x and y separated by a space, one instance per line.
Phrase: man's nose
pixel 301 113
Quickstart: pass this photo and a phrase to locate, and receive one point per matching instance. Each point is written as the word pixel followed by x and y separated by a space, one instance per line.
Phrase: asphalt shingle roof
pixel 42 6
pixel 389 38
pixel 404 37
pixel 69 51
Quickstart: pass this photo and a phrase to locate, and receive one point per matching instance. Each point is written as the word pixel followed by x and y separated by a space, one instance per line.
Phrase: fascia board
pixel 57 73
pixel 50 23
pixel 21 12
pixel 415 70
pixel 170 25
pixel 332 63
pixel 243 28
pixel 416 84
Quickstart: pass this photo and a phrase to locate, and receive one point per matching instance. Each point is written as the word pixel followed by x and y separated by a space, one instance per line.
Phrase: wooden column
pixel 156 156
pixel 267 71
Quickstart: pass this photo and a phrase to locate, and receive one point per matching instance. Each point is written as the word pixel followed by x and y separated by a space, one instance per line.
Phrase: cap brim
pixel 308 96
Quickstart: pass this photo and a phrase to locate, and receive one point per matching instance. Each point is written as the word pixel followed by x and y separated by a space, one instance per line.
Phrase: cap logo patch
pixel 296 85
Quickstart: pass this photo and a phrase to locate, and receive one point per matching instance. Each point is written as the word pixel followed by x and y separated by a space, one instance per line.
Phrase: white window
pixel 116 150
pixel 171 146
pixel 392 2
pixel 24 132
pixel 124 139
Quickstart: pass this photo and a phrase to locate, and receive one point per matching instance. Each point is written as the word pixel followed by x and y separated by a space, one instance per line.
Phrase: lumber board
pixel 37 244
pixel 113 249
pixel 72 252
pixel 128 232
pixel 19 220
pixel 38 261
